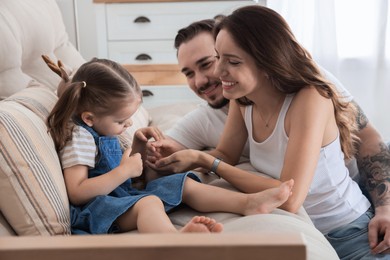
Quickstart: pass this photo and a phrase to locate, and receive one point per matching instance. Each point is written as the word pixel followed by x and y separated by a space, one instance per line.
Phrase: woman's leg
pixel 208 198
pixel 148 216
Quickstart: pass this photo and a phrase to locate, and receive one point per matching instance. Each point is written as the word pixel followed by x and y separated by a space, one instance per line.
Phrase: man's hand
pixel 141 137
pixel 379 231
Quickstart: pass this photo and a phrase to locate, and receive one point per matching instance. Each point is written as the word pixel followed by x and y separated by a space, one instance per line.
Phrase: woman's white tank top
pixel 334 199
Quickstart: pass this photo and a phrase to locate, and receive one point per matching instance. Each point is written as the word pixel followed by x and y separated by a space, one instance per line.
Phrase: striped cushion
pixel 32 192
pixel 35 97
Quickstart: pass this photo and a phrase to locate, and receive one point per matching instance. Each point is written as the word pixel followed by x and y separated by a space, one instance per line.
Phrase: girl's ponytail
pixel 59 120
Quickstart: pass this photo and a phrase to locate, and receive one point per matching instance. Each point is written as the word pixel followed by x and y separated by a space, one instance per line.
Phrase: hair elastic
pixel 84 84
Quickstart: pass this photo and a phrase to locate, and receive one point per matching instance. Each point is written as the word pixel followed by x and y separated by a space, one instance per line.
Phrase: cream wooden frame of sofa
pixel 189 246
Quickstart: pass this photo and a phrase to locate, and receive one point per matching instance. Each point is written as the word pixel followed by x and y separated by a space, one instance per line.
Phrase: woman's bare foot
pixel 202 224
pixel 266 201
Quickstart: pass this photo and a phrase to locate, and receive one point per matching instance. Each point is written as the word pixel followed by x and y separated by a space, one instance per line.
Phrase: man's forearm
pixel 375 172
pixel 373 159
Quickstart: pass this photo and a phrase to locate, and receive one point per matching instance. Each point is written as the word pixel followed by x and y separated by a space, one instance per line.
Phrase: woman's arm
pixel 234 136
pixel 310 124
pixel 229 149
pixel 190 159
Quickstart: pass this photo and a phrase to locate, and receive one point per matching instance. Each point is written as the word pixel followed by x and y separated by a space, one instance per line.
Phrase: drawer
pixel 160 20
pixel 138 52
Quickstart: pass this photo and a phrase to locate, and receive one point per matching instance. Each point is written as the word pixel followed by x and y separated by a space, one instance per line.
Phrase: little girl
pixel 85 124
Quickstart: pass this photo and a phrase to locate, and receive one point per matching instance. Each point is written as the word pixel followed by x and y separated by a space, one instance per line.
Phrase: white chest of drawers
pixel 143 33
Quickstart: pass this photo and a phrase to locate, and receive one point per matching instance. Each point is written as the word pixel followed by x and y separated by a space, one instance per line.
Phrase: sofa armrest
pixel 189 246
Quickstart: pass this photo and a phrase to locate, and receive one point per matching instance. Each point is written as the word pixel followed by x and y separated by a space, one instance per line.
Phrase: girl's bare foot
pixel 266 201
pixel 202 224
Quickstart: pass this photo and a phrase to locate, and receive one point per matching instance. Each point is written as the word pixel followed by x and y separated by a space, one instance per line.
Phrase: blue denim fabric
pixel 351 240
pixel 98 215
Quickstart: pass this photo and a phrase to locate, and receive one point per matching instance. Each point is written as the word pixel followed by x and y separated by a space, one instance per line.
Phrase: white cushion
pixel 29 29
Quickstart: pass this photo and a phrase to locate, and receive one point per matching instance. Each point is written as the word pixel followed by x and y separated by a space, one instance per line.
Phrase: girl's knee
pixel 150 201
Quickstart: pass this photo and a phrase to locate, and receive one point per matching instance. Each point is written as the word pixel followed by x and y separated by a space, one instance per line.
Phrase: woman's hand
pixel 180 161
pixel 162 148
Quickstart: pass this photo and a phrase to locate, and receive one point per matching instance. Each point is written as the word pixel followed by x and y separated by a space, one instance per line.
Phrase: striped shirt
pixel 81 150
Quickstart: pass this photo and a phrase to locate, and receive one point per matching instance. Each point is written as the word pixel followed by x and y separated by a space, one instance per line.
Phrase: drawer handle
pixel 147 93
pixel 143 56
pixel 142 19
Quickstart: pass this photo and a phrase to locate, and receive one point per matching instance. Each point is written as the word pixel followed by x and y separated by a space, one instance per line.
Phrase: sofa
pixel 34 207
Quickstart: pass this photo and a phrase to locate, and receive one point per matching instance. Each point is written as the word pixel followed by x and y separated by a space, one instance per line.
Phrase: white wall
pixel 69 17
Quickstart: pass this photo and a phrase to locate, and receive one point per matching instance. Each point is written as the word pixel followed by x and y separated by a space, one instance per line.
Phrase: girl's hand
pixel 82 189
pixel 131 165
pixel 180 161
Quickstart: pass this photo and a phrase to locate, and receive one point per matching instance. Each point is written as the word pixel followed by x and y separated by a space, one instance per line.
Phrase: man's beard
pixel 220 104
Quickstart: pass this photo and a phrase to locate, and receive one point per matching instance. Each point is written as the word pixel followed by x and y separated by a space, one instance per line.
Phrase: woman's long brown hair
pixel 266 37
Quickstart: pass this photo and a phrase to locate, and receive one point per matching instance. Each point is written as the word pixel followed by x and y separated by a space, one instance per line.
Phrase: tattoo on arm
pixel 361 118
pixel 375 173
